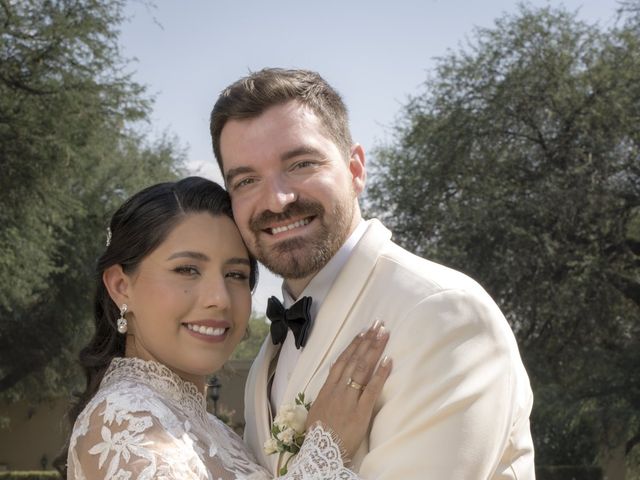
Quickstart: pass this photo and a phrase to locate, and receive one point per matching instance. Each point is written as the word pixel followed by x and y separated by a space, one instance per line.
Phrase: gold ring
pixel 355 385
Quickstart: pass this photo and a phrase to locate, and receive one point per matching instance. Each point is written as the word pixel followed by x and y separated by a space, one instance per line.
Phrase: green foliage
pixel 568 472
pixel 30 475
pixel 249 347
pixel 519 164
pixel 69 153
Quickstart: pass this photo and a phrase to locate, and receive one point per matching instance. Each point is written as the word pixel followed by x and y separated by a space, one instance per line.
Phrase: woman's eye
pixel 188 270
pixel 238 275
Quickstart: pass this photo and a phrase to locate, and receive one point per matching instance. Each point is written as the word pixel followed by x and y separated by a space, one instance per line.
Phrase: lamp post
pixel 214 392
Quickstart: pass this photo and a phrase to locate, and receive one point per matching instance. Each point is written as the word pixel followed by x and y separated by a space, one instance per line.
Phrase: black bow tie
pixel 297 318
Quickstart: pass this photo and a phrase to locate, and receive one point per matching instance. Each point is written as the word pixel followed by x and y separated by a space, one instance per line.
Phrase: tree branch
pixel 632 442
pixel 629 287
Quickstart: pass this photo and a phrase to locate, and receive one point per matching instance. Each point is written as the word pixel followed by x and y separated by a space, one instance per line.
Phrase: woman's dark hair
pixel 137 228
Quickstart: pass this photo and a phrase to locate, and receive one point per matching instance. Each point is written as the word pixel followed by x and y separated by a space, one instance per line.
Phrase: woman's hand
pixel 345 402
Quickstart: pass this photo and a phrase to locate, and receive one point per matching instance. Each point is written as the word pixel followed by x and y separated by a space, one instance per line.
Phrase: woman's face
pixel 190 298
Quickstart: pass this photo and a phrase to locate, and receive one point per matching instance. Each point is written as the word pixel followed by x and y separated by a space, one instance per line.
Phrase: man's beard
pixel 298 257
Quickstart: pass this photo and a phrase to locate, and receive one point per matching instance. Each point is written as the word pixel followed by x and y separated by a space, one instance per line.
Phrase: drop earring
pixel 122 322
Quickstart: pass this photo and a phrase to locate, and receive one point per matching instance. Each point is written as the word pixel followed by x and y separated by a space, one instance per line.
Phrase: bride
pixel 173 300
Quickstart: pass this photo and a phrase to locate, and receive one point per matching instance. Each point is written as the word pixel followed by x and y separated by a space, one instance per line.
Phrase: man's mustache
pixel 298 208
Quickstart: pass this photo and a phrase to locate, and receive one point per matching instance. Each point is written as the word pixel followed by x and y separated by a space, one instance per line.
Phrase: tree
pixel 520 165
pixel 250 346
pixel 69 153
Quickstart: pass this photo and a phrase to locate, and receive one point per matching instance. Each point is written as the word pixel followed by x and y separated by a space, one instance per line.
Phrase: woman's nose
pixel 216 294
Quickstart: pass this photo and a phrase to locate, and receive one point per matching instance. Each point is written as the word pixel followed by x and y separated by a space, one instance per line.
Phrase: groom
pixel 457 403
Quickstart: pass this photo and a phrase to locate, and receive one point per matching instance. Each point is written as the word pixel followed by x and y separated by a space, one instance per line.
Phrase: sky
pixel 377 54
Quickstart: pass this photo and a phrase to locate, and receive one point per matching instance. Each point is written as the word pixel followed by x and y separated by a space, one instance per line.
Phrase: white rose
pixel 286 436
pixel 270 446
pixel 292 416
pixel 284 413
pixel 298 418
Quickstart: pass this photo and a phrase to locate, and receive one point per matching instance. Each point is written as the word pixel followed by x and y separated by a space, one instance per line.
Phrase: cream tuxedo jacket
pixel 457 403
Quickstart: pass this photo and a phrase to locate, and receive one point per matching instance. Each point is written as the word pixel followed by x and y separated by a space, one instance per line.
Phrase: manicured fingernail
pixel 377 324
pixel 383 332
pixel 385 361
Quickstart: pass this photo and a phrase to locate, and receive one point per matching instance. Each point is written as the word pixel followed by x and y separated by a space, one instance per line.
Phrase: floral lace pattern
pixel 145 422
pixel 319 457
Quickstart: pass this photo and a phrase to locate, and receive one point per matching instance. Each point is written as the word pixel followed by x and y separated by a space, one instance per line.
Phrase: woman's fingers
pixel 362 362
pixel 345 402
pixel 373 389
pixel 337 369
pixel 359 359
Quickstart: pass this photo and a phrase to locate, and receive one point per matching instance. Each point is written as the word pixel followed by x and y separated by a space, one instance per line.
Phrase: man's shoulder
pixel 424 274
pixel 436 297
pixel 396 263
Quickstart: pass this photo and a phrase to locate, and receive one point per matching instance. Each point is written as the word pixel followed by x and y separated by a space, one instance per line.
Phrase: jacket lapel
pixel 258 405
pixel 335 309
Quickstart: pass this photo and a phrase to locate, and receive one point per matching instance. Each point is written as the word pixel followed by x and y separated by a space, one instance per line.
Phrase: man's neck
pixel 295 286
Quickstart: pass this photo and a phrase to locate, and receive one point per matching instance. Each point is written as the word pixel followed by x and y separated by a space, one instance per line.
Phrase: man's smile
pixel 290 226
pixel 296 216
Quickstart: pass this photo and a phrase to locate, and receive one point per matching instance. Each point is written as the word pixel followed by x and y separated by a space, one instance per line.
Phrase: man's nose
pixel 279 195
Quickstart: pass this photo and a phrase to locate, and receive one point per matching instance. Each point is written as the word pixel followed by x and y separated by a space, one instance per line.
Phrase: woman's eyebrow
pixel 189 254
pixel 238 260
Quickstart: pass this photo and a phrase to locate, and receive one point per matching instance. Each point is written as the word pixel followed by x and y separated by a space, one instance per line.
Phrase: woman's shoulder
pixel 112 436
pixel 119 402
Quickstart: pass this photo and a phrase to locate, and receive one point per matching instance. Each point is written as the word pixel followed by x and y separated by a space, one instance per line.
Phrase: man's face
pixel 294 195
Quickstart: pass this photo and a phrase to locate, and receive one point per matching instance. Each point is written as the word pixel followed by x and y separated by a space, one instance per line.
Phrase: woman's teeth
pixel 214 332
pixel 284 228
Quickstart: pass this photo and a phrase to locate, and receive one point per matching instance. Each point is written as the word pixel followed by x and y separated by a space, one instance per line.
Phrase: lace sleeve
pixel 319 457
pixel 120 445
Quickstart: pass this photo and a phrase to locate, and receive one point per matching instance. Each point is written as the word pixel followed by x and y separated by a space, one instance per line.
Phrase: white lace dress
pixel 145 422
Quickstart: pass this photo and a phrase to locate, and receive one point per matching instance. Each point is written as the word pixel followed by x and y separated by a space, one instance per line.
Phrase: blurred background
pixel 502 139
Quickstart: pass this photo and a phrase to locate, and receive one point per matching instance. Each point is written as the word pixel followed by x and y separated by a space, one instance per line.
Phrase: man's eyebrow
pixel 298 151
pixel 189 254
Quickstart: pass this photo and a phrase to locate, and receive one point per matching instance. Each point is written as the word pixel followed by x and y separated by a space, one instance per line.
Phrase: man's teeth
pixel 284 228
pixel 214 332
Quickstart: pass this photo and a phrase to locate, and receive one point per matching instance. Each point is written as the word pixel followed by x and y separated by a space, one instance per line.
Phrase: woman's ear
pixel 117 284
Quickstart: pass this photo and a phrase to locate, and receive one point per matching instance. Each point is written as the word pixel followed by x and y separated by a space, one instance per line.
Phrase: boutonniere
pixel 287 431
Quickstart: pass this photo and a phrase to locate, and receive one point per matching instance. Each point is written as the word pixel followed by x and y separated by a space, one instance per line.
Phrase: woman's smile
pixel 208 330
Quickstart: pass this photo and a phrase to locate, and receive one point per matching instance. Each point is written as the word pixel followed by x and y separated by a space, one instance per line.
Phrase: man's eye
pixel 303 164
pixel 187 270
pixel 243 183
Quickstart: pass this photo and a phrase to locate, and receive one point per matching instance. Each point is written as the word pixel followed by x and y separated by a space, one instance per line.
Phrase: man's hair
pixel 250 96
